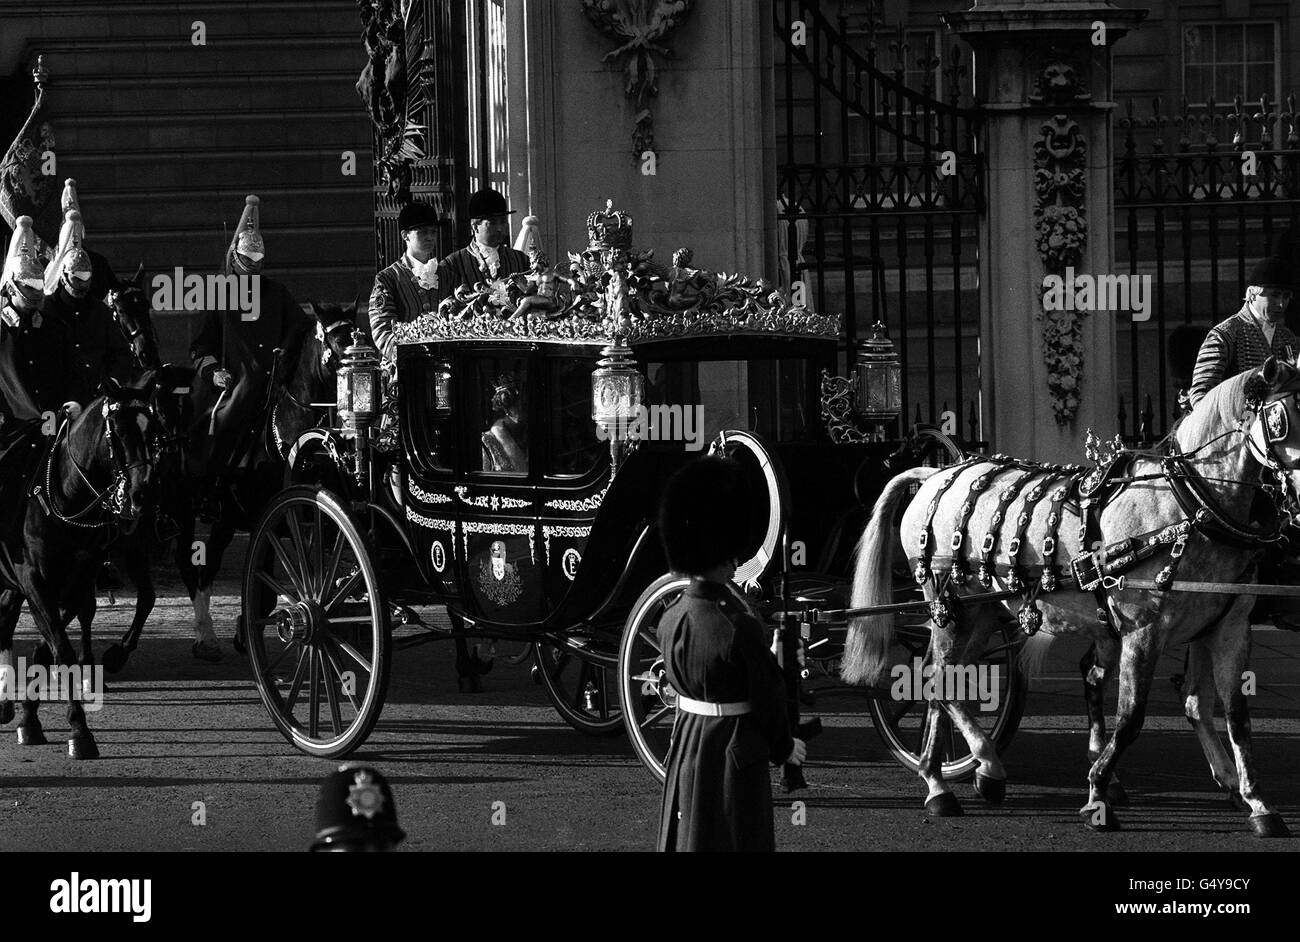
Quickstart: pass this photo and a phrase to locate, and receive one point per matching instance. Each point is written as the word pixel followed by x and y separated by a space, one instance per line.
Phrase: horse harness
pixel 113 497
pixel 1088 490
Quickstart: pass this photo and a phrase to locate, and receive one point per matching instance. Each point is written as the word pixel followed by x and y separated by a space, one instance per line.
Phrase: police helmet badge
pixel 365 797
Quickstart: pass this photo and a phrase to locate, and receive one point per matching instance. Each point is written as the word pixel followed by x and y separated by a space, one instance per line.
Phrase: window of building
pixel 1222 60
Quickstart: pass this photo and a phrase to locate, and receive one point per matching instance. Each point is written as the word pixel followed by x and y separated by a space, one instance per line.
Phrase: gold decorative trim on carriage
pixel 611 293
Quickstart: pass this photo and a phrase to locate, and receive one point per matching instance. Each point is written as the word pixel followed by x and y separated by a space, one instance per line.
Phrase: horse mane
pixel 1217 412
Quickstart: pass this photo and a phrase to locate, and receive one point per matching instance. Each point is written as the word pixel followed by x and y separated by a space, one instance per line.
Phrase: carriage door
pixel 501 551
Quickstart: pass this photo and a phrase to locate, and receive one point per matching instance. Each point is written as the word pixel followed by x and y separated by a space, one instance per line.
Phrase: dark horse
pixel 305 374
pixel 95 473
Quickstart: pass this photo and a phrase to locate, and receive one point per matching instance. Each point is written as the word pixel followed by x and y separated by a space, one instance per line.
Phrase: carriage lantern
pixel 617 394
pixel 358 385
pixel 879 379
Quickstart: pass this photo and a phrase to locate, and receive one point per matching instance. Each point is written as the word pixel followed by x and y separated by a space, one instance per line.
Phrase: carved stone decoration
pixel 1061 230
pixel 642 27
pixel 393 87
pixel 1059 82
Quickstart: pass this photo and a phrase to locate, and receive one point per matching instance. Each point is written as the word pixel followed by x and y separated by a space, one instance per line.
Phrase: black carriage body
pixel 560 542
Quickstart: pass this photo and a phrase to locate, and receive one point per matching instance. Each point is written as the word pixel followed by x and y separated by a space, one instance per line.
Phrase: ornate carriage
pixel 516 478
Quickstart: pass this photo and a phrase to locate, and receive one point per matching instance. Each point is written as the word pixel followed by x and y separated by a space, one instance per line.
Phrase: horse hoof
pixel 1116 795
pixel 469 683
pixel 114 659
pixel 536 673
pixel 6 712
pixel 238 642
pixel 992 790
pixel 1097 816
pixel 31 735
pixel 1269 825
pixel 83 747
pixel 208 651
pixel 943 805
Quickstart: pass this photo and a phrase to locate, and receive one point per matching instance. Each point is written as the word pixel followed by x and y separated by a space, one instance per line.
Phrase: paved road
pixel 175 731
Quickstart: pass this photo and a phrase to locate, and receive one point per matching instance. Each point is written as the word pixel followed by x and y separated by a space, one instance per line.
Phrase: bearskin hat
pixel 704 518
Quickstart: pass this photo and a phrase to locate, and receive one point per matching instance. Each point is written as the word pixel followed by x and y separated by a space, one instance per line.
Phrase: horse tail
pixel 1034 654
pixel 867 645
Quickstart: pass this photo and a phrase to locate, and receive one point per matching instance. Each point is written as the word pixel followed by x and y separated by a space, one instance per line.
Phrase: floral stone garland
pixel 1062 234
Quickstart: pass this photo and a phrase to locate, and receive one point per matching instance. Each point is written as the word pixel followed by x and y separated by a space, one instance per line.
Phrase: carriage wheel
pixel 318 635
pixel 903 724
pixel 651 702
pixel 583 691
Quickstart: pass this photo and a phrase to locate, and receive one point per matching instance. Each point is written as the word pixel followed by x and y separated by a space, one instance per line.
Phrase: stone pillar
pixel 714 186
pixel 1043 78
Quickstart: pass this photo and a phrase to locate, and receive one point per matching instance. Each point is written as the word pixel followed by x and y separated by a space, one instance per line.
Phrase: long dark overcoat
pixel 718 791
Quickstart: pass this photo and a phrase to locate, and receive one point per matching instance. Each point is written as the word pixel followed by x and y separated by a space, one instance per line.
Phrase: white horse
pixel 1243 434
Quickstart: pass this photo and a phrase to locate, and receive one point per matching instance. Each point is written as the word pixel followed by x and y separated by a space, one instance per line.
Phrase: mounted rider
pixel 32 368
pixel 237 352
pixel 1240 343
pixel 95 347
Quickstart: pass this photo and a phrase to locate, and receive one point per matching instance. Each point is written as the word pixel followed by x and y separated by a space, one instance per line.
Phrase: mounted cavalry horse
pixel 1107 553
pixel 59 501
pixel 305 373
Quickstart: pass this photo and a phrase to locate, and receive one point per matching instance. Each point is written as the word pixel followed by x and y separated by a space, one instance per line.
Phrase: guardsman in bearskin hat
pixel 1243 342
pixel 410 286
pixel 96 348
pixel 732 716
pixel 488 257
pixel 32 355
pixel 236 352
pixel 355 812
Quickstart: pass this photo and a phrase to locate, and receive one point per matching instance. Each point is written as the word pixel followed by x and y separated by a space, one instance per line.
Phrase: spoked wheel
pixel 583 691
pixel 317 629
pixel 650 701
pixel 903 722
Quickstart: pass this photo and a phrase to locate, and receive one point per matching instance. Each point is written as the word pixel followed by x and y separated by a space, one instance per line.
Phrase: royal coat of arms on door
pixel 498 578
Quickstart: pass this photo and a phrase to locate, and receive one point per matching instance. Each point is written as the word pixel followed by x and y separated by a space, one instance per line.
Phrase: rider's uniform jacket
pixel 278 318
pixel 1234 346
pixel 95 347
pixel 33 366
pixel 397 298
pixel 718 786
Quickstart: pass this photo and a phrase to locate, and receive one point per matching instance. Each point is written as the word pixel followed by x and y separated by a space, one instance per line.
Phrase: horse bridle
pixel 113 497
pixel 134 332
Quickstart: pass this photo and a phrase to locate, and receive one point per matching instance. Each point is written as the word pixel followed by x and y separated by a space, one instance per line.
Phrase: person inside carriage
pixel 1244 342
pixel 505 445
pixel 237 356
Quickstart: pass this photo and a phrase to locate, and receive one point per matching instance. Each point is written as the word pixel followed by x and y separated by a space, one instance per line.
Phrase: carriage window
pixel 501 419
pixel 769 397
pixel 428 425
pixel 575 448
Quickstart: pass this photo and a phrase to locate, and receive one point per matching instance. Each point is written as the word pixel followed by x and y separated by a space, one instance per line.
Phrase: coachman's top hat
pixel 705 519
pixel 355 812
pixel 1272 272
pixel 416 215
pixel 488 203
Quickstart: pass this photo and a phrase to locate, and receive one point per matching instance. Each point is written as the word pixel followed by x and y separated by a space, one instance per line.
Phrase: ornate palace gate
pixel 1195 219
pixel 880 190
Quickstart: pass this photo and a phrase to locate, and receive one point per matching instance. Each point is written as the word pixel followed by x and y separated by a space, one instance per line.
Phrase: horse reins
pixel 110 497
